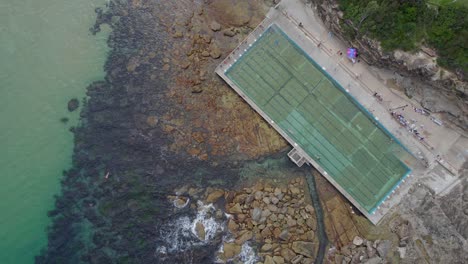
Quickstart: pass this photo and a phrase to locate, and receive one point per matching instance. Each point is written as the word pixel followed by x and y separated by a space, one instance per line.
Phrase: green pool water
pixel 364 159
pixel 47 57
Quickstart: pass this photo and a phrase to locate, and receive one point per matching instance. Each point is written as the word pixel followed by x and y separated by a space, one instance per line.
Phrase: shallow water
pixel 47 57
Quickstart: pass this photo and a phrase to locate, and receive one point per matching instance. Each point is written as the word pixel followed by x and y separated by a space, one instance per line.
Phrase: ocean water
pixel 47 57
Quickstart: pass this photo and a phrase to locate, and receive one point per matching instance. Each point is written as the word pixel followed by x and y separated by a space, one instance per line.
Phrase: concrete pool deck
pixel 356 79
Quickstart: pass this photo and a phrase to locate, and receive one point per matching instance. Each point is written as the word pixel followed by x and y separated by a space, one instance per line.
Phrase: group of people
pixel 420 111
pixel 410 127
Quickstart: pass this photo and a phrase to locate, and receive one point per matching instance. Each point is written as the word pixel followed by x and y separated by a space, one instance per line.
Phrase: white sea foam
pixel 180 206
pixel 180 234
pixel 247 255
pixel 212 226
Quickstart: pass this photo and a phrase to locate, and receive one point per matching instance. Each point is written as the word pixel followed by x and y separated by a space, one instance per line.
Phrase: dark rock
pixel 73 104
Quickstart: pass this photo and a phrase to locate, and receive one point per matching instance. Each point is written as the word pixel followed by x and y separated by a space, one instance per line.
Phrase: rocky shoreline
pixel 277 220
pixel 162 119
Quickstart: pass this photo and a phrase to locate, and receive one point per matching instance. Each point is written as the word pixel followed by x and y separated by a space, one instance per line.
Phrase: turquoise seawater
pixel 47 56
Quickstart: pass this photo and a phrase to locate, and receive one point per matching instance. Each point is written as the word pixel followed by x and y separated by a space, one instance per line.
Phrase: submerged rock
pixel 214 196
pixel 200 229
pixel 73 104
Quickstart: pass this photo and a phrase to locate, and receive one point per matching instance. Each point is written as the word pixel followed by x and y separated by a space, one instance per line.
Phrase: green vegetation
pixel 406 24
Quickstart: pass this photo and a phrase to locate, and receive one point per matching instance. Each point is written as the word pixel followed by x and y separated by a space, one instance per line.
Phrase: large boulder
pixel 304 248
pixel 243 237
pixel 200 230
pixel 231 250
pixel 214 196
pixel 233 226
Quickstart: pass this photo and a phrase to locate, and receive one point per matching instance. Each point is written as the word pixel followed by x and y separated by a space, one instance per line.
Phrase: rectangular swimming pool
pixel 321 117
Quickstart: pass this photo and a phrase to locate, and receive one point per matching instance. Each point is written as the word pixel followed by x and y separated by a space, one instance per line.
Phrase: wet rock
pixel 214 196
pixel 198 137
pixel 231 250
pixel 73 104
pixel 243 237
pixel 234 209
pixel 180 201
pixel 304 248
pixel 240 198
pixel 215 26
pixel 152 121
pixel 194 151
pixel 232 226
pixel 358 241
pixel 200 230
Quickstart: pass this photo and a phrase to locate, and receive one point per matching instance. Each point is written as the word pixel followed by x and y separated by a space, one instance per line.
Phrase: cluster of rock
pixel 362 251
pixel 278 220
